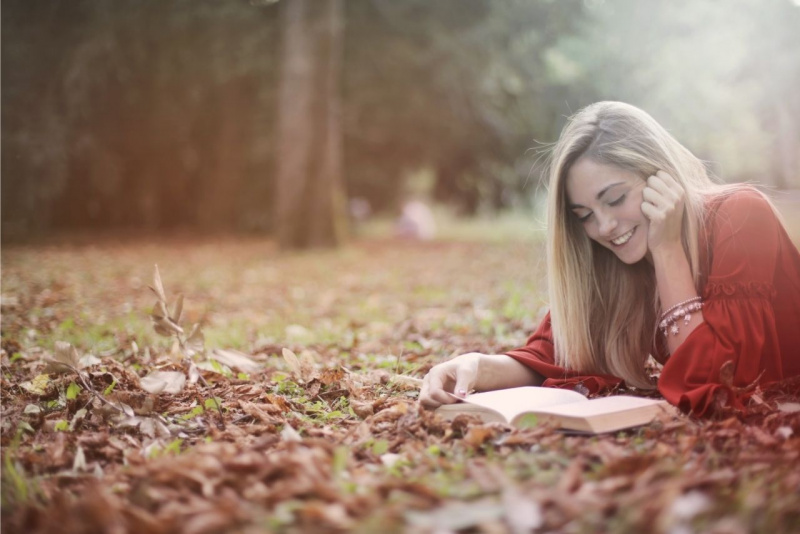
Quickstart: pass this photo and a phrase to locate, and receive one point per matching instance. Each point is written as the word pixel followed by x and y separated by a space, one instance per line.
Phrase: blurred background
pixel 299 118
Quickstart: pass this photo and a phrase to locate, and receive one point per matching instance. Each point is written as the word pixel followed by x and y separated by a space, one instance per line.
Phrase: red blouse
pixel 751 312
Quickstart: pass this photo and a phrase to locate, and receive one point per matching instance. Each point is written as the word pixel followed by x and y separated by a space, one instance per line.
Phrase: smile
pixel 624 238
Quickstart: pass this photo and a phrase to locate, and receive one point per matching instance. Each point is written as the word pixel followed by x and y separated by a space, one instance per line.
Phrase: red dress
pixel 751 312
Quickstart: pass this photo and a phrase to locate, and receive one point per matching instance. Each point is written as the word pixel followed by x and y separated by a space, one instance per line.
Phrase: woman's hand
pixel 663 206
pixel 473 372
pixel 457 376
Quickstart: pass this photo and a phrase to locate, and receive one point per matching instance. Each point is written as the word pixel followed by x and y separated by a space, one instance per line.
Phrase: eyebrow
pixel 599 195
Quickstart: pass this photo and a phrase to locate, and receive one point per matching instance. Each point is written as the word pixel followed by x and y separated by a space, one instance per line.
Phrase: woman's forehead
pixel 588 179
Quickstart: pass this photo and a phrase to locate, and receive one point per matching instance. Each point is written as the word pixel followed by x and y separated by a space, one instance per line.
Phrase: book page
pixel 601 406
pixel 511 402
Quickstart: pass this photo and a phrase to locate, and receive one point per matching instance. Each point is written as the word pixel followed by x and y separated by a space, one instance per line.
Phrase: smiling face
pixel 607 201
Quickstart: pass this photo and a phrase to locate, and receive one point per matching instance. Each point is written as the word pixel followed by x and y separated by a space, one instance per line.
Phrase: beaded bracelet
pixel 669 320
pixel 678 305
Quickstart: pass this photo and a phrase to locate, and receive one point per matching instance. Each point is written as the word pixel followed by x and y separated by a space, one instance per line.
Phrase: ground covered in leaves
pixel 292 406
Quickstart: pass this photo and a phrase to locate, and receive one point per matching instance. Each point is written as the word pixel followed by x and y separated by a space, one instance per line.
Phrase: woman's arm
pixel 738 343
pixel 663 206
pixel 474 372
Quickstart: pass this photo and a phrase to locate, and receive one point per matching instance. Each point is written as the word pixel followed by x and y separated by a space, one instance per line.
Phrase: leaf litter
pixel 118 416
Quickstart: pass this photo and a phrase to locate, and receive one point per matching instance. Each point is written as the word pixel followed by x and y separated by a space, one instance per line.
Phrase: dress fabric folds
pixel 750 332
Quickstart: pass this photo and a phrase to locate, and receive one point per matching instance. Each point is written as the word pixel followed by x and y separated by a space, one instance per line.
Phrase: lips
pixel 624 238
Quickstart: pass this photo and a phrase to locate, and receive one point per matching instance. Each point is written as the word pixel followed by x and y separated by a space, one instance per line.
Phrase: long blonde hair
pixel 603 311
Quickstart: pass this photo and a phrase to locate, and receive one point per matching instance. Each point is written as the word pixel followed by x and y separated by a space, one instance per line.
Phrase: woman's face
pixel 607 201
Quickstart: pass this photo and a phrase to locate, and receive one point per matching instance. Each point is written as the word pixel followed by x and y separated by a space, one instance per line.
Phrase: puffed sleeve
pixel 737 342
pixel 539 355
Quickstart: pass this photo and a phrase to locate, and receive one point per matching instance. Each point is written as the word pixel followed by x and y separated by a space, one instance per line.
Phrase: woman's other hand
pixel 663 206
pixel 457 376
pixel 473 372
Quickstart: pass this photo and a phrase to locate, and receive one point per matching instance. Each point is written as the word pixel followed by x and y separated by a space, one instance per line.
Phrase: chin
pixel 631 259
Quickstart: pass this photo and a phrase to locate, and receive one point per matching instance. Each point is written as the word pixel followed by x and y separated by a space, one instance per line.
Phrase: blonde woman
pixel 648 256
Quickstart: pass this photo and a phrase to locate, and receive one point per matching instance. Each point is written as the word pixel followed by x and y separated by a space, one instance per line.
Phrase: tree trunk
pixel 309 201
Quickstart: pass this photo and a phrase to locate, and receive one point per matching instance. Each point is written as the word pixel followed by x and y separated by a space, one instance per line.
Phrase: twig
pixel 88 386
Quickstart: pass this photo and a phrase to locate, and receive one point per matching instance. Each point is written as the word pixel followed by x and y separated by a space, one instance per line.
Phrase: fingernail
pixel 461 393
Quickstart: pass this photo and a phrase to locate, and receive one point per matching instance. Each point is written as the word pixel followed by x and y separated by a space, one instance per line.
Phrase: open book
pixel 528 406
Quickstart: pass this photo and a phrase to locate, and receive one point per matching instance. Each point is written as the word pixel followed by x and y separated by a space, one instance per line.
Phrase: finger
pixel 658 184
pixel 433 398
pixel 651 212
pixel 434 387
pixel 667 177
pixel 465 379
pixel 652 196
pixel 439 397
pixel 666 185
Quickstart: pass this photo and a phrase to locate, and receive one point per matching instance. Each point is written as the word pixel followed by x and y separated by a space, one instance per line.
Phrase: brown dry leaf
pixel 195 342
pixel 259 413
pixel 158 286
pixel 177 310
pixel 331 376
pixel 279 401
pixel 523 514
pixel 290 434
pixel 789 407
pixel 489 477
pixel 235 360
pixel 162 323
pixel 455 516
pixel 163 382
pixel 363 409
pixel 477 435
pixel 407 382
pixel 332 515
pixel 37 386
pixel 65 359
pixel 294 364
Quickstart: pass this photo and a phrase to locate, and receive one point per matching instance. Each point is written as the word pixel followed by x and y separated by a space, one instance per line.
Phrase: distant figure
pixel 359 210
pixel 416 222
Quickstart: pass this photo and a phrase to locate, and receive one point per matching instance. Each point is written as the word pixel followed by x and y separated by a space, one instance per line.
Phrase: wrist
pixel 668 251
pixel 500 371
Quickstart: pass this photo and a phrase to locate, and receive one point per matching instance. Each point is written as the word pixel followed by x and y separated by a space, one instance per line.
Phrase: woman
pixel 648 256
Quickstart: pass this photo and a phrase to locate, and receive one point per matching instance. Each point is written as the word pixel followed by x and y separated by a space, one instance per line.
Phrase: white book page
pixel 511 402
pixel 600 406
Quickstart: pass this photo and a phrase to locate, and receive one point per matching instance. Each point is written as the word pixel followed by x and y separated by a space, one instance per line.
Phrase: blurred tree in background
pixel 162 114
pixel 310 208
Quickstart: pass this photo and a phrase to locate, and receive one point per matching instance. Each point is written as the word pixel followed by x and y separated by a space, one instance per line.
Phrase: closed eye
pixel 585 217
pixel 617 202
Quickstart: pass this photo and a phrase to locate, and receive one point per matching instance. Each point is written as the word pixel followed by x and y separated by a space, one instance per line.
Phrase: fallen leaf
pixel 177 310
pixel 158 286
pixel 236 360
pixel 523 514
pixel 79 463
pixel 64 359
pixel 687 506
pixel 37 386
pixel 294 364
pixel 87 360
pixel 455 516
pixel 789 407
pixel 407 381
pixel 290 434
pixel 163 382
pixel 195 343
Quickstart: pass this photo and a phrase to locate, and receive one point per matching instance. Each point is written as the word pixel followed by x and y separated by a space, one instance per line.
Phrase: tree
pixel 309 197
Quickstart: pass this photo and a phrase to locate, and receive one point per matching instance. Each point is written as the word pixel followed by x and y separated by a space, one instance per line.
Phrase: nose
pixel 606 225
